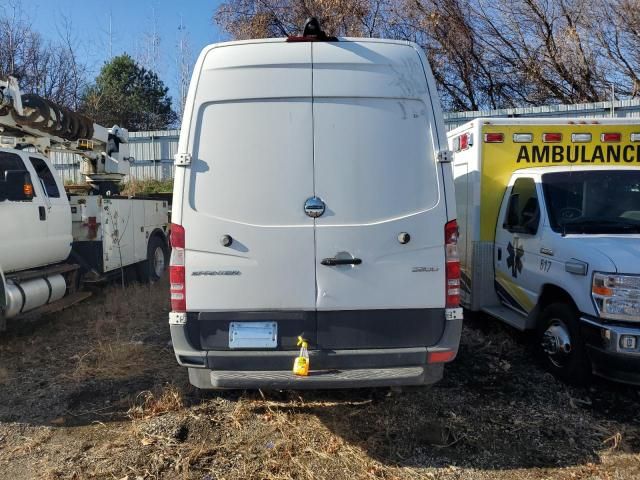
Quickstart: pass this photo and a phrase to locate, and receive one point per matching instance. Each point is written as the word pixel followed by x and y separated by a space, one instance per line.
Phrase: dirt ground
pixel 95 392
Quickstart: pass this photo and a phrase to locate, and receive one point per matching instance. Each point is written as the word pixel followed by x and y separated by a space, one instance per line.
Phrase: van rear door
pixel 376 171
pixel 251 172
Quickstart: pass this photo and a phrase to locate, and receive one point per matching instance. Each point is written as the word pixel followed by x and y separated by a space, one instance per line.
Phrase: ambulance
pixel 549 217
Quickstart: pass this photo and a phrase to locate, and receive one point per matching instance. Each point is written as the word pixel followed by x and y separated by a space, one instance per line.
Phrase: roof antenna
pixel 312 28
pixel 312 32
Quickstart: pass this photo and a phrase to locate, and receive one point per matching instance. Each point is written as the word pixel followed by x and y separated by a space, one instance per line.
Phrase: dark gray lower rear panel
pixel 327 330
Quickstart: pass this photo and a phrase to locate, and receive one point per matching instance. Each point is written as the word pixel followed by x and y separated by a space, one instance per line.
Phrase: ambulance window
pixel 523 211
pixel 46 177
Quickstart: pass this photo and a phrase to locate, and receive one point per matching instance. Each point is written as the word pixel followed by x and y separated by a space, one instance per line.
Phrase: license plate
pixel 253 335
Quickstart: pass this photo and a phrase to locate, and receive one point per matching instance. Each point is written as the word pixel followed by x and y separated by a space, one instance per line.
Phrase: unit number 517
pixel 545 265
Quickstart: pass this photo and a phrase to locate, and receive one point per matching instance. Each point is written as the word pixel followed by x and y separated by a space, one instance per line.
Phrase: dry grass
pixel 126 411
pixel 116 331
pixel 149 405
pixel 115 359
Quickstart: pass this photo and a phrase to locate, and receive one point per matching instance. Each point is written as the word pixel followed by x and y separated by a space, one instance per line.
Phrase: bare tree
pixel 484 53
pixel 148 47
pixel 47 68
pixel 272 18
pixel 617 29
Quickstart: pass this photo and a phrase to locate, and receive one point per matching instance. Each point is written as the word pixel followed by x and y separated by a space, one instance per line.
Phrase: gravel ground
pixel 94 392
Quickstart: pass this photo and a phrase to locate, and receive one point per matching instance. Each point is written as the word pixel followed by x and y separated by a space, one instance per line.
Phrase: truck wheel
pixel 152 269
pixel 560 346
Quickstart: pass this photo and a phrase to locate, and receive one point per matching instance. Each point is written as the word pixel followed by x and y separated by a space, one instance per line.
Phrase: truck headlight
pixel 617 297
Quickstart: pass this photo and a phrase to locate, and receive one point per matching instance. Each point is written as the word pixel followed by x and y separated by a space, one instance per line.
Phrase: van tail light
pixel 452 260
pixel 176 270
pixel 441 356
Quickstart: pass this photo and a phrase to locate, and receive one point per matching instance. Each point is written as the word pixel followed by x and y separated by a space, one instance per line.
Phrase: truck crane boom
pixel 30 120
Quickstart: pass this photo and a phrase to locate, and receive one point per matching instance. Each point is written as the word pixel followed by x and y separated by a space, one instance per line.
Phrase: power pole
pixel 110 35
pixel 183 66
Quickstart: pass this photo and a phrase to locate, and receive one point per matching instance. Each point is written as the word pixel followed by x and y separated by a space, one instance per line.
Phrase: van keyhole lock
pixel 226 240
pixel 404 238
pixel 314 207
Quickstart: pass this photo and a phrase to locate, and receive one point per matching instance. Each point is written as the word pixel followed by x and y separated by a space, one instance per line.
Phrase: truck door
pixel 23 216
pixel 57 210
pixel 517 256
pixel 379 242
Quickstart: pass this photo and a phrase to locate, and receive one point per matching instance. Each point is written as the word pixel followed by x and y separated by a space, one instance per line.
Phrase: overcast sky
pixel 131 23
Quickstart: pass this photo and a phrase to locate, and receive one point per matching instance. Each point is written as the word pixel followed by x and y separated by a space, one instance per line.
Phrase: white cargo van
pixel 314 197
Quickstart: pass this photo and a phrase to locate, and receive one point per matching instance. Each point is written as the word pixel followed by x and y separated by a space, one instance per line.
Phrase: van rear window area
pixel 253 161
pixel 257 161
pixel 374 159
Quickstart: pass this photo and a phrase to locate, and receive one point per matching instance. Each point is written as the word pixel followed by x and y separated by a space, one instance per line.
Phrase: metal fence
pixel 153 151
pixel 616 109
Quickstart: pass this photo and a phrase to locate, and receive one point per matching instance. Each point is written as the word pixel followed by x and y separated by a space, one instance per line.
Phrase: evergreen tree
pixel 129 96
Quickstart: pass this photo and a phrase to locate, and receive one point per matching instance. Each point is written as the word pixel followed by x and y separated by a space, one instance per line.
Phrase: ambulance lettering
pixel 579 154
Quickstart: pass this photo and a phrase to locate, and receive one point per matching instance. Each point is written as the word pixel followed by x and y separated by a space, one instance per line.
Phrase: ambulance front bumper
pixel 614 350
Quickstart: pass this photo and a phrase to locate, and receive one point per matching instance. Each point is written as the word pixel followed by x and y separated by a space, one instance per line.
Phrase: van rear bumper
pixel 330 368
pixel 317 379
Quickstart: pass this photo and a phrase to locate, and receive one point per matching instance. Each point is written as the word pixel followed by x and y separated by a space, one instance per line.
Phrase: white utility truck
pixel 314 197
pixel 50 240
pixel 549 216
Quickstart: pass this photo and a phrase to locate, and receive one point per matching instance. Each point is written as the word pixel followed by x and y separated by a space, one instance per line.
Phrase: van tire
pixel 559 344
pixel 152 269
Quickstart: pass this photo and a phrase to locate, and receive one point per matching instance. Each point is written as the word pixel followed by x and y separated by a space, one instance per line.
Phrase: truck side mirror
pixel 18 186
pixel 531 216
pixel 512 219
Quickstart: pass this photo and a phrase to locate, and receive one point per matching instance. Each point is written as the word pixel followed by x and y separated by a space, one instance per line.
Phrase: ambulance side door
pixel 518 241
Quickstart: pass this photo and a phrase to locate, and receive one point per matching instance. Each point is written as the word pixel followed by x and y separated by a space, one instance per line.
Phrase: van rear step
pixel 285 380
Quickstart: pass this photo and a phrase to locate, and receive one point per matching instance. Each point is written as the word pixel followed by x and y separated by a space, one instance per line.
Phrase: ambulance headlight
pixel 617 297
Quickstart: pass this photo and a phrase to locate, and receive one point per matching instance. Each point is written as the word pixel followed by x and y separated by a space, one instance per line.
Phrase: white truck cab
pixel 53 241
pixel 549 213
pixel 310 200
pixel 37 220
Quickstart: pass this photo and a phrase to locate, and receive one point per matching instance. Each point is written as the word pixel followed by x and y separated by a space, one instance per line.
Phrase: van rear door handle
pixel 43 213
pixel 332 262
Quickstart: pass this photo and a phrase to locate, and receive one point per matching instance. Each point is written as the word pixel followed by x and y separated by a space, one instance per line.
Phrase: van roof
pixel 284 40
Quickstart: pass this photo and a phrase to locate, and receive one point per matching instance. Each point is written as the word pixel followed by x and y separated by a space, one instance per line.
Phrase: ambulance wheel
pixel 560 346
pixel 152 269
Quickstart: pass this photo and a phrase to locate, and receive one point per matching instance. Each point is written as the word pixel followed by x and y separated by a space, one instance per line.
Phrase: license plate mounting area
pixel 253 335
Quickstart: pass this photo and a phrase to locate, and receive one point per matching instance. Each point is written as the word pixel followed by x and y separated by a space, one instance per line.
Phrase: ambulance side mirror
pixel 511 217
pixel 531 216
pixel 525 220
